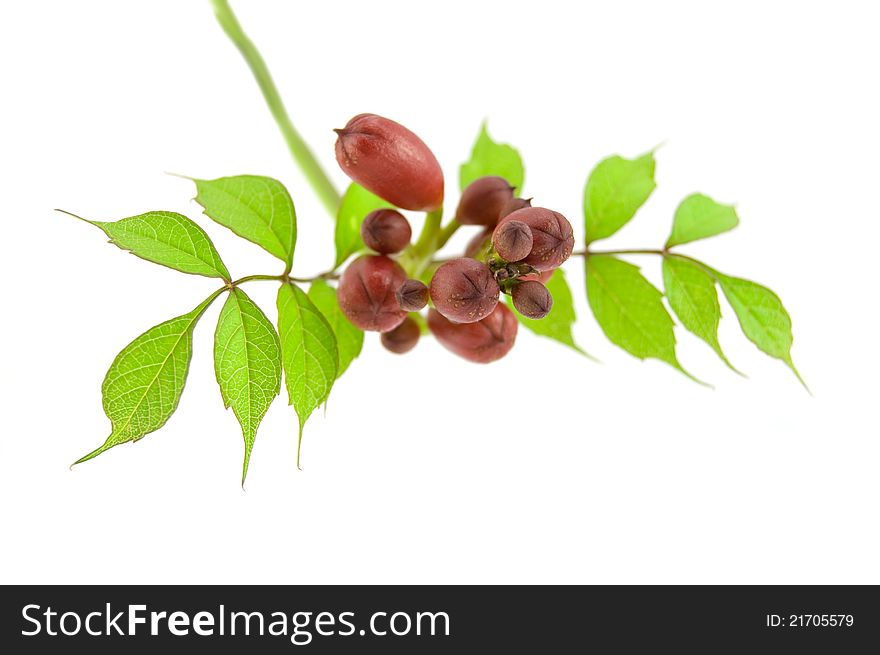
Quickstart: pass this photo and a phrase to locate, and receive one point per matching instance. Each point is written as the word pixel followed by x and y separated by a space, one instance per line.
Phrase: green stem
pixel 664 252
pixel 301 152
pixel 446 233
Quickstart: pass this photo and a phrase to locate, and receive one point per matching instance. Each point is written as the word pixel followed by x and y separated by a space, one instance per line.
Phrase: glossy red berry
pixel 512 241
pixel 389 160
pixel 412 296
pixel 366 293
pixel 531 299
pixel 386 231
pixel 482 201
pixel 464 290
pixel 481 342
pixel 552 235
pixel 403 338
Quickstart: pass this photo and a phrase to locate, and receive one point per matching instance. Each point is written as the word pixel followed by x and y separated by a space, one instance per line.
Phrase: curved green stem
pixel 301 152
pixel 446 232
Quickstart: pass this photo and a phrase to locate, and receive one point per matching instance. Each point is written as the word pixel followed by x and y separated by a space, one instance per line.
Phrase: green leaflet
pixel 630 310
pixel 143 386
pixel 168 239
pixel 615 190
pixel 355 205
pixel 699 217
pixel 309 353
pixel 349 339
pixel 255 208
pixel 491 158
pixel 691 293
pixel 247 363
pixel 762 318
pixel 558 324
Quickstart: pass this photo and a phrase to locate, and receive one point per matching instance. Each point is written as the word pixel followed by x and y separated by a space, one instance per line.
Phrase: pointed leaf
pixel 629 310
pixel 247 362
pixel 355 205
pixel 491 158
pixel 762 317
pixel 308 352
pixel 255 208
pixel 168 239
pixel 145 381
pixel 615 190
pixel 691 293
pixel 558 324
pixel 349 339
pixel 699 217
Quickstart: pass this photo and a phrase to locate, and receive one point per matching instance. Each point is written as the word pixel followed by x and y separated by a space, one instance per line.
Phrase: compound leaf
pixel 699 217
pixel 691 293
pixel 356 203
pixel 615 190
pixel 309 353
pixel 143 386
pixel 630 310
pixel 349 339
pixel 491 158
pixel 247 362
pixel 255 208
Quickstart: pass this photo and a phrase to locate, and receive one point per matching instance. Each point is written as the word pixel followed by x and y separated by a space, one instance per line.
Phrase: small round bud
pixel 403 338
pixel 386 231
pixel 412 296
pixel 512 240
pixel 481 342
pixel 553 238
pixel 387 159
pixel 482 201
pixel 531 299
pixel 515 203
pixel 366 293
pixel 464 290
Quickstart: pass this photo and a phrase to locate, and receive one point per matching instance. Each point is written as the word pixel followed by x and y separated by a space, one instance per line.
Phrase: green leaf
pixel 308 353
pixel 630 310
pixel 691 293
pixel 356 203
pixel 247 362
pixel 349 339
pixel 615 190
pixel 491 158
pixel 255 208
pixel 168 239
pixel 144 383
pixel 699 217
pixel 557 325
pixel 762 318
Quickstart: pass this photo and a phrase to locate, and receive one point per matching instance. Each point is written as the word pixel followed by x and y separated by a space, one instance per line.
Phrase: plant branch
pixel 301 152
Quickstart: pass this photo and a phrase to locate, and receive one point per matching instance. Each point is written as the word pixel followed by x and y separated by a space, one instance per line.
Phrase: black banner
pixel 446 619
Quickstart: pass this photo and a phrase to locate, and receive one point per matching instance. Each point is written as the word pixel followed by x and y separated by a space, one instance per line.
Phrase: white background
pixel 544 467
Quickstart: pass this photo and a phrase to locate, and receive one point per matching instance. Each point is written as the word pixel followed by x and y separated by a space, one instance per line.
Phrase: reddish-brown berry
pixel 552 235
pixel 482 342
pixel 512 240
pixel 367 296
pixel 515 203
pixel 412 296
pixel 403 338
pixel 386 231
pixel 464 290
pixel 482 201
pixel 531 299
pixel 392 162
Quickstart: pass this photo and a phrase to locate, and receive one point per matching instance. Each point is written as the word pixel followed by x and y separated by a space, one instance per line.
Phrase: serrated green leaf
pixel 491 158
pixel 630 310
pixel 558 324
pixel 615 190
pixel 247 363
pixel 699 217
pixel 309 353
pixel 255 208
pixel 691 293
pixel 349 339
pixel 356 203
pixel 143 386
pixel 168 239
pixel 762 318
